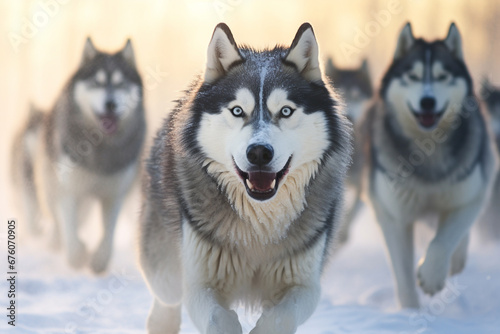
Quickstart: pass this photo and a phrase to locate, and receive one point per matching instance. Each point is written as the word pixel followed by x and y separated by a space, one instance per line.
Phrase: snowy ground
pixel 357 298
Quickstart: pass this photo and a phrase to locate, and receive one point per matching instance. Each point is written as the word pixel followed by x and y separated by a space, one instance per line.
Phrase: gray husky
pixel 86 148
pixel 490 221
pixel 356 88
pixel 243 190
pixel 428 152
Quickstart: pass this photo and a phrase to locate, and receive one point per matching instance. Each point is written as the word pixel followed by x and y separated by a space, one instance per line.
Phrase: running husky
pixel 490 221
pixel 429 152
pixel 244 189
pixel 354 85
pixel 356 88
pixel 87 147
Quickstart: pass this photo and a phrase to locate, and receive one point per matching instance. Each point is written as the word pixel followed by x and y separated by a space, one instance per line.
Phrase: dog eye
pixel 413 77
pixel 442 77
pixel 286 111
pixel 237 111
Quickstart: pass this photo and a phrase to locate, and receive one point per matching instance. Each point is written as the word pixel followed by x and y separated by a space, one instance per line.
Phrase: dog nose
pixel 110 107
pixel 260 155
pixel 428 103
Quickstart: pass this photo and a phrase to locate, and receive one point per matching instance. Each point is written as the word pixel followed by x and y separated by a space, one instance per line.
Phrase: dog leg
pixel 294 309
pixel 207 313
pixel 398 237
pixel 352 212
pixel 110 209
pixel 452 229
pixel 459 256
pixel 68 216
pixel 31 207
pixel 164 319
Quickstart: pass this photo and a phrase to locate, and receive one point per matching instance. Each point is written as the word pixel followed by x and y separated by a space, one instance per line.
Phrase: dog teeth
pixel 249 184
pixel 273 184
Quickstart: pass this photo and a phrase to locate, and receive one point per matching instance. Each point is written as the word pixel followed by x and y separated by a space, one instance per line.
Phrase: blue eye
pixel 237 111
pixel 442 77
pixel 413 77
pixel 286 111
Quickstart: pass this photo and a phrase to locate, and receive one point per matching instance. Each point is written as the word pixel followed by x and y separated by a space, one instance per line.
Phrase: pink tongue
pixel 261 180
pixel 427 120
pixel 109 124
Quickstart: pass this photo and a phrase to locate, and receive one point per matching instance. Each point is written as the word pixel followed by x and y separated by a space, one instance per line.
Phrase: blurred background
pixel 41 43
pixel 42 40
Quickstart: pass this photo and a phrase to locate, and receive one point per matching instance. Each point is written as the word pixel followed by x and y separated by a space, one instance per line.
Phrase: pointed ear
pixel 405 41
pixel 128 53
pixel 222 53
pixel 454 42
pixel 364 67
pixel 486 88
pixel 330 69
pixel 304 53
pixel 89 51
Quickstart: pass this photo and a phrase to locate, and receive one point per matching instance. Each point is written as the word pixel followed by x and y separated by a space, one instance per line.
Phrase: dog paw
pixel 77 255
pixel 223 321
pixel 431 275
pixel 100 259
pixel 276 322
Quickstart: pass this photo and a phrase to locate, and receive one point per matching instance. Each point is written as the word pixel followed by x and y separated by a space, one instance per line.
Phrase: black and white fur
pixel 243 190
pixel 356 88
pixel 429 152
pixel 490 220
pixel 86 148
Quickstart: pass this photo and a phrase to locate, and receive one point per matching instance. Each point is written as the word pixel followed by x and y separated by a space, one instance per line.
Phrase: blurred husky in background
pixel 429 152
pixel 87 147
pixel 490 221
pixel 244 190
pixel 355 86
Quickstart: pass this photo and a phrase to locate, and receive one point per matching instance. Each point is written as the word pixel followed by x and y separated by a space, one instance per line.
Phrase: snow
pixel 358 294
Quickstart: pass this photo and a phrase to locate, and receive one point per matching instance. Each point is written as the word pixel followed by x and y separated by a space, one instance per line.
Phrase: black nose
pixel 260 155
pixel 110 107
pixel 428 103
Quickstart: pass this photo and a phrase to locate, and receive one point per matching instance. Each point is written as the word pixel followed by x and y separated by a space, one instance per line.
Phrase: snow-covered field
pixel 357 297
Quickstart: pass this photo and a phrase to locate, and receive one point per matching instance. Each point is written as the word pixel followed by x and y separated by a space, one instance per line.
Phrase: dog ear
pixel 454 42
pixel 222 53
pixel 128 53
pixel 364 66
pixel 89 51
pixel 486 88
pixel 330 69
pixel 304 53
pixel 405 41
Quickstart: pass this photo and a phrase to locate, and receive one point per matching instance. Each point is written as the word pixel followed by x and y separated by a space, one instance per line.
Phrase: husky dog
pixel 429 152
pixel 356 88
pixel 87 147
pixel 354 85
pixel 490 221
pixel 243 190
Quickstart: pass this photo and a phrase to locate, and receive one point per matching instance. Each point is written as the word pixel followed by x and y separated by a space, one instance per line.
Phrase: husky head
pixel 491 95
pixel 427 80
pixel 107 87
pixel 264 121
pixel 354 85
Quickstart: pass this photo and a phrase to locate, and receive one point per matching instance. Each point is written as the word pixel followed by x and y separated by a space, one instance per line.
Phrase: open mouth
pixel 109 123
pixel 262 185
pixel 428 118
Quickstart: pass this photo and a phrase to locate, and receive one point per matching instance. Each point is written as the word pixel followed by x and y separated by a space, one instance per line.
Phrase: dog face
pixel 491 95
pixel 264 120
pixel 107 87
pixel 427 80
pixel 354 85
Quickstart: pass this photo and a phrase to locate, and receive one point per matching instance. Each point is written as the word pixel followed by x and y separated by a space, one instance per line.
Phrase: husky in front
pixel 243 190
